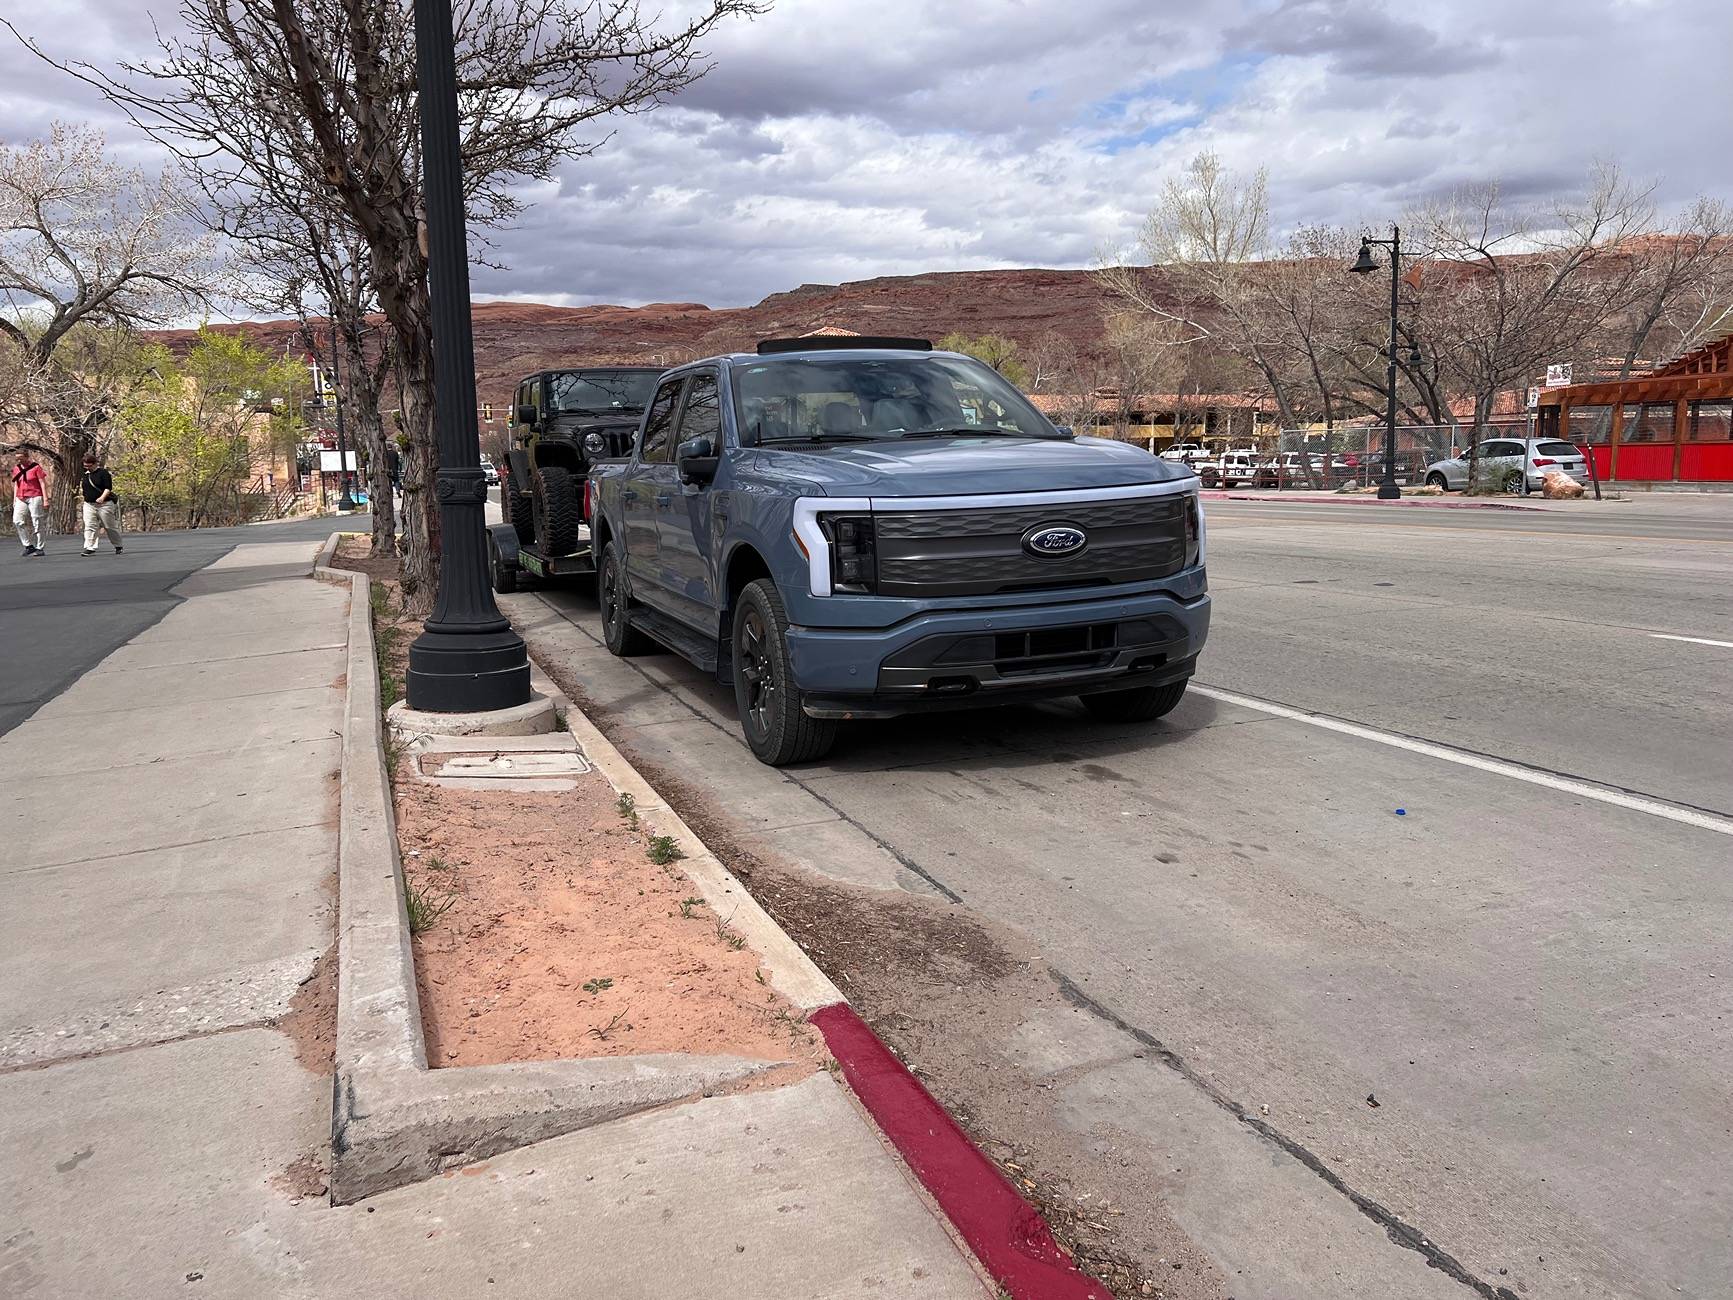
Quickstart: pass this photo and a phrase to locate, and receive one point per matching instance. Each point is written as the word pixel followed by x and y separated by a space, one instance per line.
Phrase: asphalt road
pixel 1359 1016
pixel 64 612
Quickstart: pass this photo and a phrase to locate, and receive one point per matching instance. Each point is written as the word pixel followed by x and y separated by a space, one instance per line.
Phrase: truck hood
pixel 965 466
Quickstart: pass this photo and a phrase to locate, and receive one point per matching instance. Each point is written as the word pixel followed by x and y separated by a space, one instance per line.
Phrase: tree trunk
pixel 370 433
pixel 371 430
pixel 401 285
pixel 420 509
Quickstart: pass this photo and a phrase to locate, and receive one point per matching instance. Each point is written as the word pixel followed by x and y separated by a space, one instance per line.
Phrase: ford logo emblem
pixel 1055 539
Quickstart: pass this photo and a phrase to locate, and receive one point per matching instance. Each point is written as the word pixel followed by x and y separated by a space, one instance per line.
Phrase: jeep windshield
pixel 871 398
pixel 595 392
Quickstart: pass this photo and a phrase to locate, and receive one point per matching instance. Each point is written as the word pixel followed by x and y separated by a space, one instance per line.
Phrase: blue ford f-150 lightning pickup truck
pixel 856 528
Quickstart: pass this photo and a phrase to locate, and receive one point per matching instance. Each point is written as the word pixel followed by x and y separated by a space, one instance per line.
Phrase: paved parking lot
pixel 1332 1013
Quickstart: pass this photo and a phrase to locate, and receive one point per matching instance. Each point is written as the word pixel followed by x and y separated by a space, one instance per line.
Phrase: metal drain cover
pixel 514 769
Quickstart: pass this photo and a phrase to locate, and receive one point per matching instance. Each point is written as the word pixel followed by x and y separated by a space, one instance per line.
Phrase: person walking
pixel 101 506
pixel 29 503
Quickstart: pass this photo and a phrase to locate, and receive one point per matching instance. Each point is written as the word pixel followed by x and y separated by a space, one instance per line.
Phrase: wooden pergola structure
pixel 1671 425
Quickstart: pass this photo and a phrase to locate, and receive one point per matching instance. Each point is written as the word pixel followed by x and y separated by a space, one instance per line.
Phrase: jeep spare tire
pixel 556 510
pixel 517 508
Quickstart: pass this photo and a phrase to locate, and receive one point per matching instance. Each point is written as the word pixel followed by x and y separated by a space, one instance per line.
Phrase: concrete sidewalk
pixel 166 887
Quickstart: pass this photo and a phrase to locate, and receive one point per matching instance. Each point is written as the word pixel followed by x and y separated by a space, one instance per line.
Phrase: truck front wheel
pixel 777 729
pixel 1140 704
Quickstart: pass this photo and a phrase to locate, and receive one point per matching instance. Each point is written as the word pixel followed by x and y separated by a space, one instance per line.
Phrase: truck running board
pixel 676 636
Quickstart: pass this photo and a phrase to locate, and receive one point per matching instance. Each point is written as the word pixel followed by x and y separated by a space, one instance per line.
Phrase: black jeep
pixel 563 421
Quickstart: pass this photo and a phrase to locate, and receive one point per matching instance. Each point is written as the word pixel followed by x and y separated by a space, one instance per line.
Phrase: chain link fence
pixel 1343 456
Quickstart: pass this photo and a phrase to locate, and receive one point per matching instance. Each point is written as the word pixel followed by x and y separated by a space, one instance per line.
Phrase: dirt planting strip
pixel 394 1119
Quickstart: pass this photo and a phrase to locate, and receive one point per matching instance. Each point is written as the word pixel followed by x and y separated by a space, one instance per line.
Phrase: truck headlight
pixel 1193 529
pixel 595 444
pixel 853 553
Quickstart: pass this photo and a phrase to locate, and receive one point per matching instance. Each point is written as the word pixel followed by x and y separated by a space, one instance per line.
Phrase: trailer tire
pixel 504 579
pixel 558 513
pixel 517 508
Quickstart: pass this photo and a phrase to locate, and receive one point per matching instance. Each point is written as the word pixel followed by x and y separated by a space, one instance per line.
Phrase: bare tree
pixel 1520 287
pixel 325 90
pixel 304 259
pixel 1047 358
pixel 89 251
pixel 1683 287
pixel 1202 276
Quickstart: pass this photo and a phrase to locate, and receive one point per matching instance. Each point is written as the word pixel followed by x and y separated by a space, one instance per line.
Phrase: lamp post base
pixel 536 718
pixel 467 672
pixel 1389 492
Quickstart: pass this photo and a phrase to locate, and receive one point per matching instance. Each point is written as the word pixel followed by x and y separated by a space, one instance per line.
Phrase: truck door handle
pixel 663 498
pixel 628 494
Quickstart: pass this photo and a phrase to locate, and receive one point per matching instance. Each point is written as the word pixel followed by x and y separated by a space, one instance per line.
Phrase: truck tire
pixel 623 639
pixel 776 727
pixel 1139 704
pixel 517 509
pixel 504 577
pixel 558 514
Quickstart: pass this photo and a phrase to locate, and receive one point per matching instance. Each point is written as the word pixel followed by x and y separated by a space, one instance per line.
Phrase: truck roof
pixel 809 354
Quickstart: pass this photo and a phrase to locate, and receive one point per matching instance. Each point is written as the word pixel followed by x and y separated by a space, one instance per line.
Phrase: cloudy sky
pixel 843 139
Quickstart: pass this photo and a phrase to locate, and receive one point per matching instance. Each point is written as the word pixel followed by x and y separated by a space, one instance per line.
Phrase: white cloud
pixel 841 139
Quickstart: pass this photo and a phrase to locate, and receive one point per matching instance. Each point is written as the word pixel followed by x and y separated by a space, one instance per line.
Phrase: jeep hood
pixel 573 424
pixel 967 466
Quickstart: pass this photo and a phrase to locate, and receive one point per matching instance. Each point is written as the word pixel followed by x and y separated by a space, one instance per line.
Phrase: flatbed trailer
pixel 509 560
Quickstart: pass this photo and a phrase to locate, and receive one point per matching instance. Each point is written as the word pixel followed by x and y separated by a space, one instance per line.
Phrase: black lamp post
pixel 467 658
pixel 344 500
pixel 1365 265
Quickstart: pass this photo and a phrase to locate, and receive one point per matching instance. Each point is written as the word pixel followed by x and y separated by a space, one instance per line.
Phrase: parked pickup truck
pixel 857 528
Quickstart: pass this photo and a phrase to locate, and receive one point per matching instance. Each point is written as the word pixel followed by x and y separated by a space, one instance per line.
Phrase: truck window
pixel 657 446
pixel 702 417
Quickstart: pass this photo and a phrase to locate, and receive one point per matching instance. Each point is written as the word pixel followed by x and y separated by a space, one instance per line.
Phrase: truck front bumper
pixel 956 659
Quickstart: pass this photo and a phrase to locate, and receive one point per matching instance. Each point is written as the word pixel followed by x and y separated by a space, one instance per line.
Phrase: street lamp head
pixel 1364 265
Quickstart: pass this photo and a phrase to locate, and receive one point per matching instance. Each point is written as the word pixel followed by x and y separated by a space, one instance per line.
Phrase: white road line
pixel 1694 640
pixel 1637 803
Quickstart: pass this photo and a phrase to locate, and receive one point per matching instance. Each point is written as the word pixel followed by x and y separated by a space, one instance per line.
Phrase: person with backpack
pixel 29 503
pixel 101 506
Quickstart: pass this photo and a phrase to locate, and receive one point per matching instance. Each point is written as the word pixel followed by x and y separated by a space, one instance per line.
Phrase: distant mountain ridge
pixel 513 339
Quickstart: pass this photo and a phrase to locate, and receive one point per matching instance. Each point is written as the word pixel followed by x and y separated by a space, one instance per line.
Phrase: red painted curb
pixel 1007 1234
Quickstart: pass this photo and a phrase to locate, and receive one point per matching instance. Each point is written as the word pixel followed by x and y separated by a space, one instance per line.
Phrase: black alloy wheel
pixel 775 724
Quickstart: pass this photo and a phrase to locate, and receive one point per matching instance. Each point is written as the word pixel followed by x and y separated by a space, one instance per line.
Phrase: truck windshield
pixel 602 390
pixel 855 397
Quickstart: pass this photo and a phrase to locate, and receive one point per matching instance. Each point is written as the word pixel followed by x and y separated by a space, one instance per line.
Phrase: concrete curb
pixel 393 1120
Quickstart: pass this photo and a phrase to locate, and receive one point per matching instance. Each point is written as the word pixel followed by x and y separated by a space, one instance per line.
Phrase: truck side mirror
pixel 697 460
pixel 526 414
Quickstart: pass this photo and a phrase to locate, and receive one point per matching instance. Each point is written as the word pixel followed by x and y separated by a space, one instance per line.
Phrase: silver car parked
pixel 1514 464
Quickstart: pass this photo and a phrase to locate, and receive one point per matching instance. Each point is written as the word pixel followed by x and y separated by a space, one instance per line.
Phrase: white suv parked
pixel 1515 464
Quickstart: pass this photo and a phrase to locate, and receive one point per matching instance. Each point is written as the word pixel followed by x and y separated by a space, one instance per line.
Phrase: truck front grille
pixel 980 552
